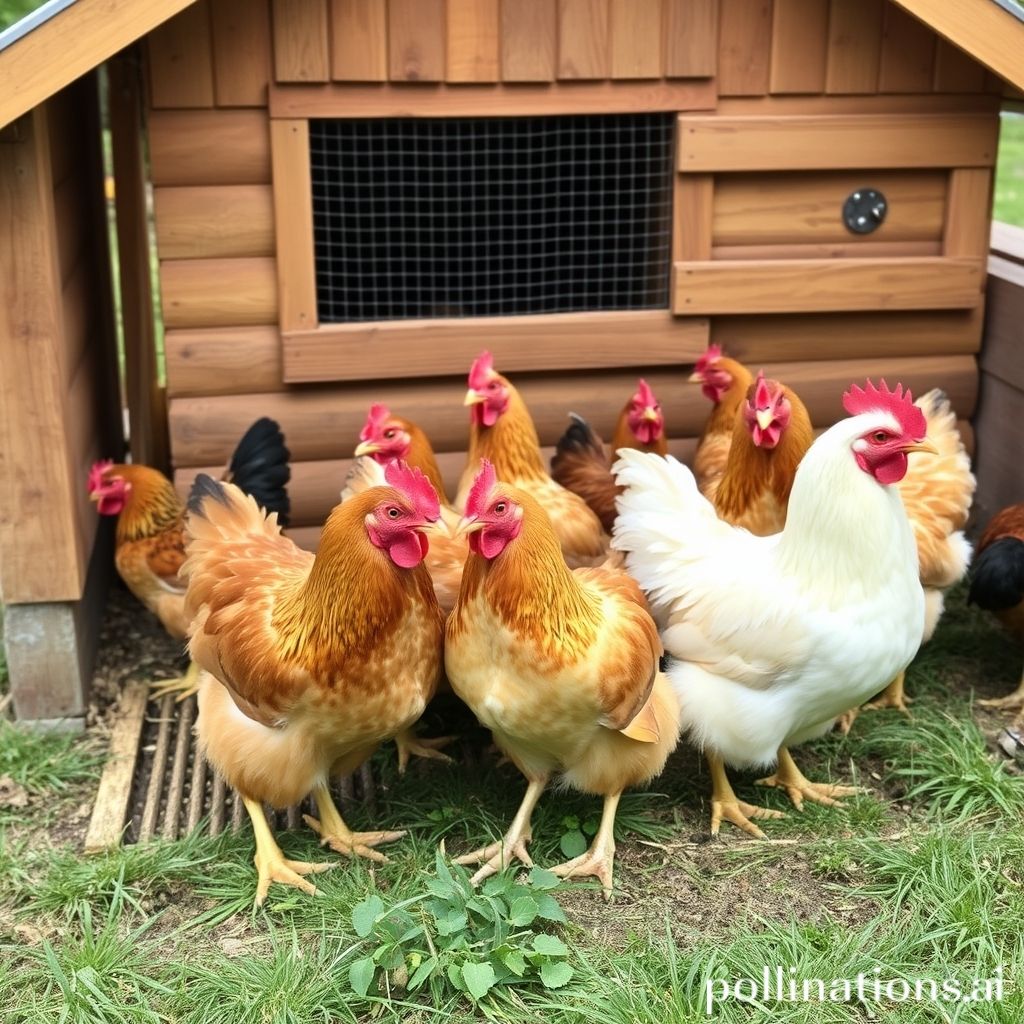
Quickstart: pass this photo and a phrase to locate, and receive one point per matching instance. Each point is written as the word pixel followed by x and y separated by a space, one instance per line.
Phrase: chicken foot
pixel 498 856
pixel 410 745
pixel 726 807
pixel 184 686
pixel 798 787
pixel 338 836
pixel 893 696
pixel 1011 700
pixel 271 863
pixel 599 860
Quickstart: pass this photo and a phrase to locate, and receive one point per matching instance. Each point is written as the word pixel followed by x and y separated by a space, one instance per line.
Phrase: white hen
pixel 774 637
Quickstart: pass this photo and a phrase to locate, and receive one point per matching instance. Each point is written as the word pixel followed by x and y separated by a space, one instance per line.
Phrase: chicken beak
pixel 469 524
pixel 473 398
pixel 438 527
pixel 696 377
pixel 650 415
pixel 365 448
pixel 921 446
pixel 94 496
pixel 764 418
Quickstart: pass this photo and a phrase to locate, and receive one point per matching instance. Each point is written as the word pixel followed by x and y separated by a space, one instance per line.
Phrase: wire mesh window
pixel 425 217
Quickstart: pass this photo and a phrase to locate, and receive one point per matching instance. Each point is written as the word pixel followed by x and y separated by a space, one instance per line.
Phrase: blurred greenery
pixel 13 10
pixel 1009 194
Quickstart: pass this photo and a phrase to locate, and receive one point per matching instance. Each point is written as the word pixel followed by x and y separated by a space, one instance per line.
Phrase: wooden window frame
pixel 315 352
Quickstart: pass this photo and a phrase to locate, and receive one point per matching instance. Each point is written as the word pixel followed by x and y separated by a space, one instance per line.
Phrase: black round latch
pixel 864 210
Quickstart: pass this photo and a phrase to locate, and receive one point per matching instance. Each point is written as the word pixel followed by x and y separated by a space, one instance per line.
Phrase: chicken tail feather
pixel 997 576
pixel 259 466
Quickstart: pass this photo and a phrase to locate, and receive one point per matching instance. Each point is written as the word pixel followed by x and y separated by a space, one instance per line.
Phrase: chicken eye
pixel 500 508
pixel 389 434
pixel 879 436
pixel 393 512
pixel 493 386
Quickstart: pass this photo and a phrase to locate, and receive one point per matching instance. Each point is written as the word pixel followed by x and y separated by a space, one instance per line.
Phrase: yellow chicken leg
pixel 893 696
pixel 338 836
pixel 410 745
pixel 184 686
pixel 498 856
pixel 1011 700
pixel 798 788
pixel 599 860
pixel 271 863
pixel 726 807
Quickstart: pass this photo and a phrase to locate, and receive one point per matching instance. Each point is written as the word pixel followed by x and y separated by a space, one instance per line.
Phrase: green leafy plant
pixel 456 937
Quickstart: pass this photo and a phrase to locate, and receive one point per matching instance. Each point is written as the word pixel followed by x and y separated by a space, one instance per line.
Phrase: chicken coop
pixel 318 204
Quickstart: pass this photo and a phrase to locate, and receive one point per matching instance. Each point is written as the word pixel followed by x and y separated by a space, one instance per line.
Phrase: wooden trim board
pixel 809 286
pixel 420 348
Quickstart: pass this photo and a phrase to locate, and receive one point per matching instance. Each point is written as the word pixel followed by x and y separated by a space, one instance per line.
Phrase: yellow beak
pixel 94 496
pixel 440 527
pixel 469 524
pixel 472 398
pixel 764 418
pixel 366 448
pixel 921 446
pixel 650 415
pixel 696 378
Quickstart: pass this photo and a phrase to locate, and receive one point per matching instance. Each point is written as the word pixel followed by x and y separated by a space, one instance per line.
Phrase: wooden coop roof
pixel 64 39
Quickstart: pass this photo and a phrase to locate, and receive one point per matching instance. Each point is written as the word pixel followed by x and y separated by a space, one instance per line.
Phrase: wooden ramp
pixel 156 785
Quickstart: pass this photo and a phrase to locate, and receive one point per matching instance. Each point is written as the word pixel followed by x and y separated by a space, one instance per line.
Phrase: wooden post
pixel 147 410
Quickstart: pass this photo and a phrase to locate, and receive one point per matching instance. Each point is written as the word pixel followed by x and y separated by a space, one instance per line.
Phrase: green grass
pixel 920 877
pixel 14 10
pixel 1008 204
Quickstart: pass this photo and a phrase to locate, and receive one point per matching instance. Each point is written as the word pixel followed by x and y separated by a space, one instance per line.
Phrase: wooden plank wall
pixel 860 69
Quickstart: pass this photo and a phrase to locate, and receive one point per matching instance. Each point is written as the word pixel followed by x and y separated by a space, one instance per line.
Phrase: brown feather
pixel 716 437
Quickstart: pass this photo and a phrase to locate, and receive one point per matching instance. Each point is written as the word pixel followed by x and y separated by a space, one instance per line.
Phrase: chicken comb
pixel 899 403
pixel 375 419
pixel 415 486
pixel 481 371
pixel 97 472
pixel 712 355
pixel 762 391
pixel 645 394
pixel 483 484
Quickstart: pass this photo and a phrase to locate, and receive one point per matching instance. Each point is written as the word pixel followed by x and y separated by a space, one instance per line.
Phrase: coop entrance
pixel 420 218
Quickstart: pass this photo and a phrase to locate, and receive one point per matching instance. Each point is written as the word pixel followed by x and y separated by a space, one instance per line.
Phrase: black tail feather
pixel 578 438
pixel 997 575
pixel 204 486
pixel 260 467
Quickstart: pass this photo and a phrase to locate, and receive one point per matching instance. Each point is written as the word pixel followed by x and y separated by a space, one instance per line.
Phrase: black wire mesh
pixel 425 217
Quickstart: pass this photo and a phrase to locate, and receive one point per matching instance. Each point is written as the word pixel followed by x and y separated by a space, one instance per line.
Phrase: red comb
pixel 415 486
pixel 713 354
pixel 645 394
pixel 481 371
pixel 483 484
pixel 899 403
pixel 96 474
pixel 762 393
pixel 375 419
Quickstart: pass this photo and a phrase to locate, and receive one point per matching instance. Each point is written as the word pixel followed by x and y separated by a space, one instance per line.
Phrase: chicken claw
pixel 410 745
pixel 498 856
pixel 183 686
pixel 271 863
pixel 726 807
pixel 339 837
pixel 739 813
pixel 892 696
pixel 599 860
pixel 1011 700
pixel 798 787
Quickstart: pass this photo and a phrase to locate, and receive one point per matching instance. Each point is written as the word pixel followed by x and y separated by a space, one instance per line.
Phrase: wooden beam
pixel 293 224
pixel 147 415
pixel 71 43
pixel 992 36
pixel 500 100
pixel 825 285
pixel 420 348
pixel 41 555
pixel 219 293
pixel 821 142
pixel 209 147
pixel 223 360
pixel 208 221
